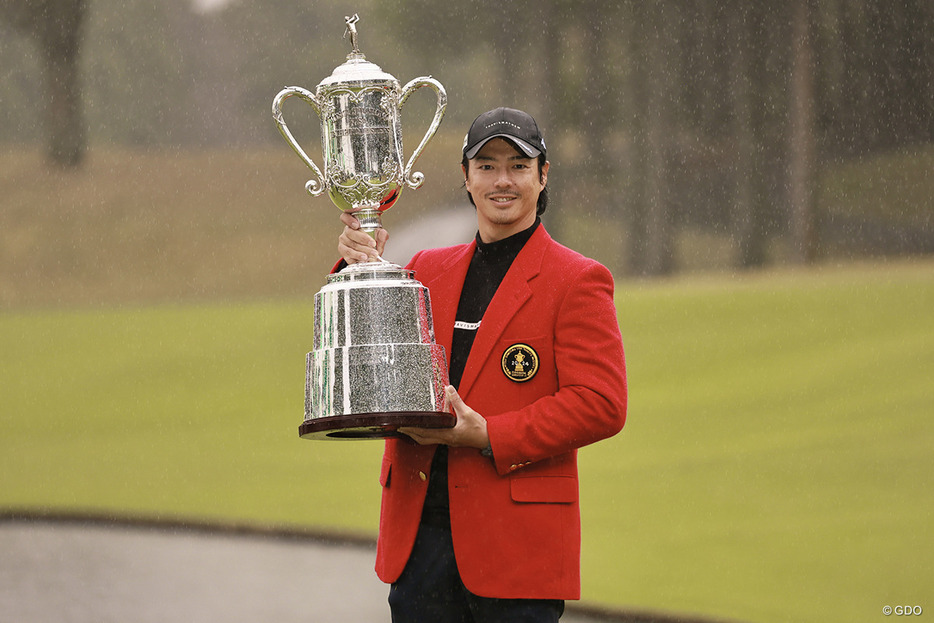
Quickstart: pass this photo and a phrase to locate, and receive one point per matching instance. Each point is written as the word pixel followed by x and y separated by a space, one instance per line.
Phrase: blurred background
pixel 759 176
pixel 684 135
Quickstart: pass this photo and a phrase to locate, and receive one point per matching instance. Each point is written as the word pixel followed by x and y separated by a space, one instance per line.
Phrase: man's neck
pixel 520 236
pixel 494 233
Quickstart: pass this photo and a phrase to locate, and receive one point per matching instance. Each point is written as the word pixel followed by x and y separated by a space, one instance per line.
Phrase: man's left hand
pixel 468 432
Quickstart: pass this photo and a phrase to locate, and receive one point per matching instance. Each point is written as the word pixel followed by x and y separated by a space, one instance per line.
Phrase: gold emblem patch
pixel 520 362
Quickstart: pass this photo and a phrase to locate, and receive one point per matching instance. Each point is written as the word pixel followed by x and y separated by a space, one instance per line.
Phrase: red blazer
pixel 516 523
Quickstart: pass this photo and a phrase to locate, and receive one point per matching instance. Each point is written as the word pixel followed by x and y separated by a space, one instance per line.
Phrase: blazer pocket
pixel 385 472
pixel 544 489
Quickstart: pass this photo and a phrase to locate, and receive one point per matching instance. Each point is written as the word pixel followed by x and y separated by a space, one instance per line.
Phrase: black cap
pixel 509 123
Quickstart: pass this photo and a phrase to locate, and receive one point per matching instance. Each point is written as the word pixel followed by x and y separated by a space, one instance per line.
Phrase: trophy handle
pixel 414 180
pixel 316 185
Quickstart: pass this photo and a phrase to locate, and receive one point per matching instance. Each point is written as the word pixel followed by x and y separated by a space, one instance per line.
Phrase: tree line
pixel 662 115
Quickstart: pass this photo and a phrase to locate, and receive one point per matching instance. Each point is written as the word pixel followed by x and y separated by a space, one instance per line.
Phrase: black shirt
pixel 488 267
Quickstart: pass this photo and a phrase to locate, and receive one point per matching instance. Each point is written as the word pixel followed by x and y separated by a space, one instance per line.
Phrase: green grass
pixel 173 411
pixel 776 466
pixel 143 227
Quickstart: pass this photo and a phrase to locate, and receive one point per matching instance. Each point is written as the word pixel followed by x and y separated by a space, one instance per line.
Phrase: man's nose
pixel 503 180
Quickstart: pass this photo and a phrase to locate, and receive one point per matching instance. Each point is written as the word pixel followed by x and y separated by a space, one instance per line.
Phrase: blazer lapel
pixel 444 286
pixel 511 295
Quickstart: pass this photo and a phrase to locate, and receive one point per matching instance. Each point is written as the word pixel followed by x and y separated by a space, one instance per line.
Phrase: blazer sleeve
pixel 591 398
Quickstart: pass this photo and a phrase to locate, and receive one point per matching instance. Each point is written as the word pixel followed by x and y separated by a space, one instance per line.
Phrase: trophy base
pixel 373 425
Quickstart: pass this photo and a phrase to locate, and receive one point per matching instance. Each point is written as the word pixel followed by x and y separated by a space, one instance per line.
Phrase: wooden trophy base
pixel 372 425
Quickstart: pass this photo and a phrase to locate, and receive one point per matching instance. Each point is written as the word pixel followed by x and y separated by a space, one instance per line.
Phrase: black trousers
pixel 430 590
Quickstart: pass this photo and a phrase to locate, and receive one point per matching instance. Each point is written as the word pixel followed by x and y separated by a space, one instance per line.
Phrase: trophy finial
pixel 352 32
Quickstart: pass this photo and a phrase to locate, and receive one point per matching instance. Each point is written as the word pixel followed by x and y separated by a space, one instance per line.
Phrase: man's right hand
pixel 356 246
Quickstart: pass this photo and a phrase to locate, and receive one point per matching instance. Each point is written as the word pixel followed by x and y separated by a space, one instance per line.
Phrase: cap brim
pixel 529 151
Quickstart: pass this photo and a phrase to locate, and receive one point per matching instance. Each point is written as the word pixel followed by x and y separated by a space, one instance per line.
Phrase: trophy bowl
pixel 360 106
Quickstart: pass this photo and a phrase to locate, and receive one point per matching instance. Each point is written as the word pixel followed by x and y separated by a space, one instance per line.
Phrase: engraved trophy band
pixel 375 364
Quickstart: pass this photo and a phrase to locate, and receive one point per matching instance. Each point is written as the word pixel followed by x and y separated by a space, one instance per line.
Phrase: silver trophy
pixel 359 106
pixel 375 365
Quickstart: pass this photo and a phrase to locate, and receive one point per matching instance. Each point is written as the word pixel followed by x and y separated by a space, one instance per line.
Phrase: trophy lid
pixel 356 68
pixel 371 271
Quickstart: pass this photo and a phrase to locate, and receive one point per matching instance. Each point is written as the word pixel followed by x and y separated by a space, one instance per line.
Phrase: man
pixel 480 522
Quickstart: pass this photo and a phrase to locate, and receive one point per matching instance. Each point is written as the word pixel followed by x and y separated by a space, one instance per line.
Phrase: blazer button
pixel 423 476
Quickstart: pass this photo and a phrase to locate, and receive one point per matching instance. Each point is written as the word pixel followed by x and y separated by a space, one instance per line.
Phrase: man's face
pixel 505 185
